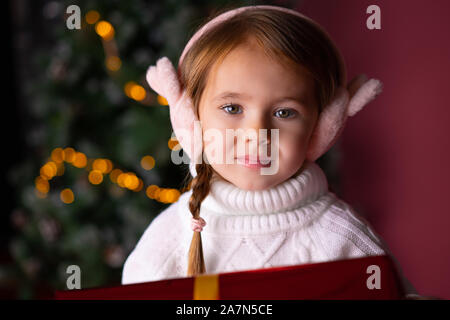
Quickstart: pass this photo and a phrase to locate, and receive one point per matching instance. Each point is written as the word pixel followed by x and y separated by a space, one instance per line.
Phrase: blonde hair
pixel 280 34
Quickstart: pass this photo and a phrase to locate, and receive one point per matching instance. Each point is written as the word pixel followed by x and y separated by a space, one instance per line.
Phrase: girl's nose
pixel 260 126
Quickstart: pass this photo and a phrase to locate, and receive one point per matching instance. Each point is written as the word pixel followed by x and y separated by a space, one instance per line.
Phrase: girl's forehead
pixel 253 69
pixel 250 56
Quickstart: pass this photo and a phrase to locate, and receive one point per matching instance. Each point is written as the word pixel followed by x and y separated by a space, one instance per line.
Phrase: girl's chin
pixel 254 185
pixel 246 178
pixel 253 181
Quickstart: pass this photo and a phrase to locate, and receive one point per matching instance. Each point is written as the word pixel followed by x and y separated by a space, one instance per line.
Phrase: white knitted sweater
pixel 298 221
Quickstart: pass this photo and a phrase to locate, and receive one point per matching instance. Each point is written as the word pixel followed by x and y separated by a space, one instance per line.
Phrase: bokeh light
pixel 69 154
pixel 147 162
pixel 167 195
pixel 162 101
pixel 100 165
pixel 131 181
pixel 174 144
pixel 60 169
pixel 174 194
pixel 140 186
pixel 80 160
pixel 95 177
pixel 120 179
pixel 114 175
pixel 103 165
pixel 135 91
pixel 67 196
pixel 138 93
pixel 57 155
pixel 113 63
pixel 92 17
pixel 48 170
pixel 109 165
pixel 152 191
pixel 42 184
pixel 105 30
pixel 127 88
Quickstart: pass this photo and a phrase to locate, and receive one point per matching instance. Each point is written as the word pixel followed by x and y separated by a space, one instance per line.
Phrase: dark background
pixel 12 131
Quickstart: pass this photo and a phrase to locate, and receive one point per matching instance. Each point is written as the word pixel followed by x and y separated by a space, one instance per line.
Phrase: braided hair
pixel 200 189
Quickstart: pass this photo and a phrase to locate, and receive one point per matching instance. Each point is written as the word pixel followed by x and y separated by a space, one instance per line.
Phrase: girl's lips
pixel 251 162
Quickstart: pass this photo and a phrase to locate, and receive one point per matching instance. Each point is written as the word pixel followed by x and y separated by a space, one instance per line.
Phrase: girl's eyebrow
pixel 231 95
pixel 234 95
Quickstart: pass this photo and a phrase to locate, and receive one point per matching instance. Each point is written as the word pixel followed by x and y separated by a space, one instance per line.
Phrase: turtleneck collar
pixel 289 205
pixel 308 184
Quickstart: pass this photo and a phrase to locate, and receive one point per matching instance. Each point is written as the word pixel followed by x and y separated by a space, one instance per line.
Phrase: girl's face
pixel 265 95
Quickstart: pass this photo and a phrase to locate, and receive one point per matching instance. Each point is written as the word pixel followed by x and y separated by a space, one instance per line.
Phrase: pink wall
pixel 396 152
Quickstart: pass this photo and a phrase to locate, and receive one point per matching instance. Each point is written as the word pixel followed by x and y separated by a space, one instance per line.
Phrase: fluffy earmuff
pixel 163 79
pixel 346 102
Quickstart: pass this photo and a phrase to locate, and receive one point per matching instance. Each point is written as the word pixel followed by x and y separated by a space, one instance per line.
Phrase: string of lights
pixel 98 168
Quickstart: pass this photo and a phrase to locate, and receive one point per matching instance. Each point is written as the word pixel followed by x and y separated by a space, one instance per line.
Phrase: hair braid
pixel 200 189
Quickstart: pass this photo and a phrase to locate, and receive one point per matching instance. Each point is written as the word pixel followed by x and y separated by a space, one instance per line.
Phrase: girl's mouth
pixel 253 162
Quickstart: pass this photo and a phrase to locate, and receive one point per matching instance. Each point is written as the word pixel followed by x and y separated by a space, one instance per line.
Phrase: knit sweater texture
pixel 298 221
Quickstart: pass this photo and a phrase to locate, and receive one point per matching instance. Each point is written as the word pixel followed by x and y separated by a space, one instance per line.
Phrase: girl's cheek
pixel 295 140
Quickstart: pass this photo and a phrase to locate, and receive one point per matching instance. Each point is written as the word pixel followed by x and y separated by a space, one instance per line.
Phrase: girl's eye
pixel 231 108
pixel 285 113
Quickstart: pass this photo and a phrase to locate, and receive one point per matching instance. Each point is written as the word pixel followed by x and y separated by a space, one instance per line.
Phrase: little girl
pixel 252 68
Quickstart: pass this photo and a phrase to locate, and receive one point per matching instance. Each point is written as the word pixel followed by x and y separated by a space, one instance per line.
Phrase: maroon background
pixel 395 161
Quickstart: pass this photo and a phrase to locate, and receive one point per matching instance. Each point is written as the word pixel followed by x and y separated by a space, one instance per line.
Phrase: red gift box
pixel 373 277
